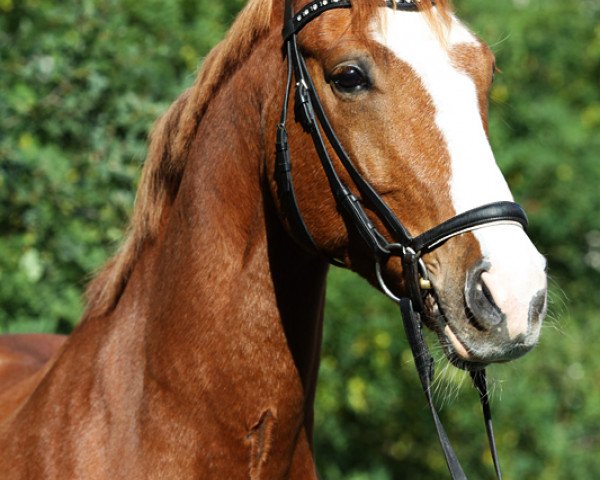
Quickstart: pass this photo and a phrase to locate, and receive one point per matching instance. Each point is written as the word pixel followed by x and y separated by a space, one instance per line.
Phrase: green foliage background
pixel 81 83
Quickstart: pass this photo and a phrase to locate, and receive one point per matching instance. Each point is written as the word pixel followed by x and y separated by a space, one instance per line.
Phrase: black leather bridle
pixel 409 249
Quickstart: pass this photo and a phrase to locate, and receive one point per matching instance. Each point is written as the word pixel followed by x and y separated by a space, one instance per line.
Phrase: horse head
pixel 406 91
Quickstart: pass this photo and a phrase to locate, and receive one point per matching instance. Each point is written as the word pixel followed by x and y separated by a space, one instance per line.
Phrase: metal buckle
pixel 424 281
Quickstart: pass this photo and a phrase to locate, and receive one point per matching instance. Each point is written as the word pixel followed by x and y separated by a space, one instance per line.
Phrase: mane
pixel 439 23
pixel 167 154
pixel 173 133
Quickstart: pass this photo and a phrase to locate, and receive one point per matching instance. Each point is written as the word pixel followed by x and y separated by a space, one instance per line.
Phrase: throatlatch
pixel 409 249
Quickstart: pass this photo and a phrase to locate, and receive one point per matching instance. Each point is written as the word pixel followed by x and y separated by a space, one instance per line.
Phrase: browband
pixel 313 9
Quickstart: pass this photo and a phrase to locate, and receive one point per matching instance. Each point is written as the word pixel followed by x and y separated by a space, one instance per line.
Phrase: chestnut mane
pixel 173 133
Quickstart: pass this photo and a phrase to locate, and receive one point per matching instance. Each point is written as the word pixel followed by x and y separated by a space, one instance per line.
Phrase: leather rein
pixel 409 249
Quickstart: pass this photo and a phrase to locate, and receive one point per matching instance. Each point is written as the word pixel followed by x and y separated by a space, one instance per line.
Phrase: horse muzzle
pixel 500 313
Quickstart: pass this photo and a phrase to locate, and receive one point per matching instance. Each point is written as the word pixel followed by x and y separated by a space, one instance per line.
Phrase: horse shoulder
pixel 22 358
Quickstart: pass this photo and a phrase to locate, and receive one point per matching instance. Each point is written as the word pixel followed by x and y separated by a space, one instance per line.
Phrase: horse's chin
pixel 455 350
pixel 458 350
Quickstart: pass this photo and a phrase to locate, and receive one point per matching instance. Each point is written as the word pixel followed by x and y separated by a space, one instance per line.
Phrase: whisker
pixel 500 42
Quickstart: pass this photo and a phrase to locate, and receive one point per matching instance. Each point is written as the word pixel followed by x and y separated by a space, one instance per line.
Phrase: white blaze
pixel 517 271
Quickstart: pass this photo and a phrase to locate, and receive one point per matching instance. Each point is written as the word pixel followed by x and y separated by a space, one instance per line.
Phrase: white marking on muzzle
pixel 517 269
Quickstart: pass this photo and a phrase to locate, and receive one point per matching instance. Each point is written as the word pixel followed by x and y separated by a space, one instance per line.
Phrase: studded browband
pixel 316 8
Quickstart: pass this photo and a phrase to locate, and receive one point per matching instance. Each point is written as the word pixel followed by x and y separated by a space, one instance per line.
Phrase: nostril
pixel 480 301
pixel 488 295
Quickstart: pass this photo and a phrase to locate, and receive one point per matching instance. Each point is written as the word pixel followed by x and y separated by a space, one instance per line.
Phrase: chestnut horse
pixel 198 353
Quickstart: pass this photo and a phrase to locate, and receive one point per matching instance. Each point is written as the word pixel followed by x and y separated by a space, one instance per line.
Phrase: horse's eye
pixel 349 79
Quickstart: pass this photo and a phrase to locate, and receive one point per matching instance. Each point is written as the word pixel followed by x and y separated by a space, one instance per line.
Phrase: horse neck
pixel 230 302
pixel 214 343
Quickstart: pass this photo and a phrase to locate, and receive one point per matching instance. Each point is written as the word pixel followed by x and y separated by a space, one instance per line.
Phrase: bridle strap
pixel 311 112
pixel 295 23
pixel 283 174
pixel 480 383
pixel 493 213
pixel 424 364
pixel 368 193
pixel 315 121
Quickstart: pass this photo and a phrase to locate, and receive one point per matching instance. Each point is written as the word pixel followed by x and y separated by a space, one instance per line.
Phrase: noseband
pixel 409 249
